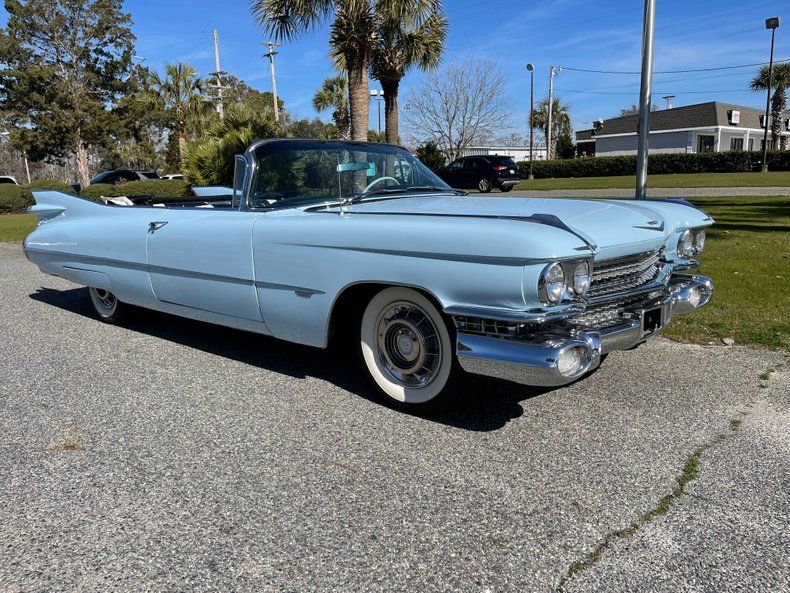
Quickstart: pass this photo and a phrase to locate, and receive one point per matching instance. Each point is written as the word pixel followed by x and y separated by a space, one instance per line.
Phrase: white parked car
pixel 7 179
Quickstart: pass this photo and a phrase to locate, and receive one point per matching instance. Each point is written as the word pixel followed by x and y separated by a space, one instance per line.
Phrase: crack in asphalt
pixel 690 473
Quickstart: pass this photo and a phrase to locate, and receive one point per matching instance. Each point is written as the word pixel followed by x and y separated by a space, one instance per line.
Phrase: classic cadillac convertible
pixel 320 238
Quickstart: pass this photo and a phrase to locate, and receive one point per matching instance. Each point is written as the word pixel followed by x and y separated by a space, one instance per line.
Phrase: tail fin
pixel 52 203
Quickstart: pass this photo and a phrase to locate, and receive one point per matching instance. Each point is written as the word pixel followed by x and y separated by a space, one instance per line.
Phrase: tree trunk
pixel 81 157
pixel 182 143
pixel 390 89
pixel 358 99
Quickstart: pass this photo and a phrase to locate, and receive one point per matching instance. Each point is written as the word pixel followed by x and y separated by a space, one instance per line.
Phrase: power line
pixel 657 92
pixel 634 72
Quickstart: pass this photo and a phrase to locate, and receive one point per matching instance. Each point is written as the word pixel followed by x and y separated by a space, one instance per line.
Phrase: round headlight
pixel 581 278
pixel 686 244
pixel 551 284
pixel 699 241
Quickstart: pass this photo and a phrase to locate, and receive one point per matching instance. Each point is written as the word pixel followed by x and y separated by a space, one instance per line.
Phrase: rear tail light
pixel 499 168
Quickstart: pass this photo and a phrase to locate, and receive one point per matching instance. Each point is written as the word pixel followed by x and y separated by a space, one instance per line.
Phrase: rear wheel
pixel 507 188
pixel 407 349
pixel 107 306
pixel 484 185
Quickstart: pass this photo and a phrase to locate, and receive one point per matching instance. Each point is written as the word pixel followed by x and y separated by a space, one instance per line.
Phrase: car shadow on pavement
pixel 482 404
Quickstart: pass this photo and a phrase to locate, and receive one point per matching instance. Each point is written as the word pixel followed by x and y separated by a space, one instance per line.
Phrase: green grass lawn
pixel 15 227
pixel 747 255
pixel 770 179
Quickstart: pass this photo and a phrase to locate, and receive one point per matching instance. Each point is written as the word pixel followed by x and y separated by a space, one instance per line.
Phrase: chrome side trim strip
pixel 168 271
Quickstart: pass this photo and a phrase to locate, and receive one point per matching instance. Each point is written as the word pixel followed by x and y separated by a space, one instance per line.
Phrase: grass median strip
pixel 15 227
pixel 748 257
pixel 679 180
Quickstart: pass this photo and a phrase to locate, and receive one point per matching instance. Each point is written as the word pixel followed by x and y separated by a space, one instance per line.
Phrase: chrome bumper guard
pixel 562 352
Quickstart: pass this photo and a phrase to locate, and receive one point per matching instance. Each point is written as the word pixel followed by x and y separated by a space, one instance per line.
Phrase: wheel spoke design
pixel 105 301
pixel 408 344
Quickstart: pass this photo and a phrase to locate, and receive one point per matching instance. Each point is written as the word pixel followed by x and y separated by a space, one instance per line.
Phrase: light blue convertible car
pixel 323 238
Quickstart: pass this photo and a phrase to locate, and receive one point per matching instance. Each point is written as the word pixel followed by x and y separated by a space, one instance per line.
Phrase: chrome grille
pixel 624 273
pixel 489 327
pixel 604 315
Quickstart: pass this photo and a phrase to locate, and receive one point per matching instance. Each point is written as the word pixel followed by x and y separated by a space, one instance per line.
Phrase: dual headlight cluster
pixel 559 277
pixel 691 242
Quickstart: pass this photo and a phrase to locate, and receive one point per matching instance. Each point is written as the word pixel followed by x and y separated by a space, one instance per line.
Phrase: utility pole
pixel 218 74
pixel 552 72
pixel 270 45
pixel 531 70
pixel 773 25
pixel 668 99
pixel 645 99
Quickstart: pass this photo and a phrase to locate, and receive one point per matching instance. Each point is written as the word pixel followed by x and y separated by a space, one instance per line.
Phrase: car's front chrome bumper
pixel 538 359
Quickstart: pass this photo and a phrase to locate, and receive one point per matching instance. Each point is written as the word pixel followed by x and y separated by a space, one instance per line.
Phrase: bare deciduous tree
pixel 459 105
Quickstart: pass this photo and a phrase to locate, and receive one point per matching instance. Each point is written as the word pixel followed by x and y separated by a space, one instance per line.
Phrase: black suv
pixel 481 172
pixel 120 176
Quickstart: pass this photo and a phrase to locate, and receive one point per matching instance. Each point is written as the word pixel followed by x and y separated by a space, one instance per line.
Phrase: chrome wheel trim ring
pixel 105 301
pixel 407 344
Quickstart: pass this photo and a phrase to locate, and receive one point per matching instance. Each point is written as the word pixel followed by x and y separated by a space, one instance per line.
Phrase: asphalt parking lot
pixel 170 455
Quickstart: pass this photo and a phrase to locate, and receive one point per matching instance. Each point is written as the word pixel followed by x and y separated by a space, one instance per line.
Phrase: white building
pixel 705 127
pixel 517 153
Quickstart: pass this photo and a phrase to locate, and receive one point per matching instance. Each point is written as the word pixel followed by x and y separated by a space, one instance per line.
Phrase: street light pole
pixel 552 72
pixel 531 70
pixel 773 25
pixel 378 97
pixel 645 100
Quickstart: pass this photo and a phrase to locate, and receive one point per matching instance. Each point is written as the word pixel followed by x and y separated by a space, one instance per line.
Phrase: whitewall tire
pixel 107 306
pixel 407 348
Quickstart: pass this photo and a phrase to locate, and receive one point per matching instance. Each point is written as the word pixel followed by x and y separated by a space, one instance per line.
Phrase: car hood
pixel 611 227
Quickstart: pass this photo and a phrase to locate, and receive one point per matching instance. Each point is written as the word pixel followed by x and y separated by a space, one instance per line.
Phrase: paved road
pixel 653 192
pixel 177 456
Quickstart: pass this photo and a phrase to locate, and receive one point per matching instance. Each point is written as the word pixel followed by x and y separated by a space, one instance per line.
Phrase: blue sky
pixel 590 34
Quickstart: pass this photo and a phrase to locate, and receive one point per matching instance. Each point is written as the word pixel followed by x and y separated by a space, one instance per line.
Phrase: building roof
pixel 701 115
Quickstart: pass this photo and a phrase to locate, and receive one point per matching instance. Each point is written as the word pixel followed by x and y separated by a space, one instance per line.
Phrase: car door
pixel 473 170
pixel 202 258
pixel 454 173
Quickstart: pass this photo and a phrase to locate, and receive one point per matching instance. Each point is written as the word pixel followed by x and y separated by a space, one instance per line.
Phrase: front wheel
pixel 484 185
pixel 107 306
pixel 407 349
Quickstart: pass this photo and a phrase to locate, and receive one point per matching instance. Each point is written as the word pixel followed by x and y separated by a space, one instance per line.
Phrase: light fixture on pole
pixel 531 70
pixel 773 25
pixel 378 96
pixel 645 100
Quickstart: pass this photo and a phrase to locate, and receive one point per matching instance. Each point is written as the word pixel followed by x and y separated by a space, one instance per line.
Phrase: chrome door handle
pixel 157 224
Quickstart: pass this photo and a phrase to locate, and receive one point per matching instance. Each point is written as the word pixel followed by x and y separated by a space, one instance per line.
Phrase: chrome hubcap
pixel 106 298
pixel 408 344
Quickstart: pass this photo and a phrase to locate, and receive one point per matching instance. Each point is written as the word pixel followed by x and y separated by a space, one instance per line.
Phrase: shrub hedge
pixel 157 188
pixel 14 198
pixel 40 184
pixel 657 164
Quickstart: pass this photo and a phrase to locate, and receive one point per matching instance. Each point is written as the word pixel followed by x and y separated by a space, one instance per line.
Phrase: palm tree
pixel 560 120
pixel 333 95
pixel 208 160
pixel 180 92
pixel 780 82
pixel 351 38
pixel 402 42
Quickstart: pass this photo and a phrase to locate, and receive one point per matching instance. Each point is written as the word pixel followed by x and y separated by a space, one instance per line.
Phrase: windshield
pixel 302 172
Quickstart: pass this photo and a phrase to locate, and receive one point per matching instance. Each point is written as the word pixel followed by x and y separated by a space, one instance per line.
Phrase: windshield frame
pixel 260 149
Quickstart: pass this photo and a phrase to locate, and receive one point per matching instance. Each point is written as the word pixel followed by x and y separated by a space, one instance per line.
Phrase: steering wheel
pixel 375 181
